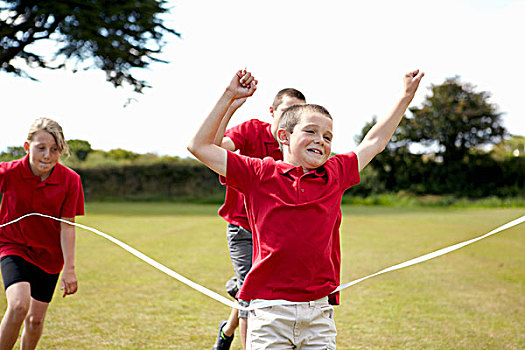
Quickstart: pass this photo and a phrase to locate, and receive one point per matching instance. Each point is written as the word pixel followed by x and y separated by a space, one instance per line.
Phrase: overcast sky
pixel 349 56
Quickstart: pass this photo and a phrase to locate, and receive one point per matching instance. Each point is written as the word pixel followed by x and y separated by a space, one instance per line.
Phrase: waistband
pixel 261 302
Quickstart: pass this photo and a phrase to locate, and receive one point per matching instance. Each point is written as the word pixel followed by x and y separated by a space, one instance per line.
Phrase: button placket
pixel 300 189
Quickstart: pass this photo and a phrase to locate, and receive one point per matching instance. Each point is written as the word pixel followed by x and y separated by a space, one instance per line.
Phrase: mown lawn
pixel 473 298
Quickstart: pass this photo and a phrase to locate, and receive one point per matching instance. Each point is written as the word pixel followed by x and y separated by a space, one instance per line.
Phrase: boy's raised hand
pixel 238 102
pixel 242 85
pixel 412 80
pixel 380 134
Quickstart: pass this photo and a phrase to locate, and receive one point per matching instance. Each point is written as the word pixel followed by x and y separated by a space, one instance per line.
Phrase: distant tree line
pixel 454 144
pixel 84 157
pixel 119 174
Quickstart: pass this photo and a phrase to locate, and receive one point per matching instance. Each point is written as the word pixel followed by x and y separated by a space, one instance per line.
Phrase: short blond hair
pixel 51 127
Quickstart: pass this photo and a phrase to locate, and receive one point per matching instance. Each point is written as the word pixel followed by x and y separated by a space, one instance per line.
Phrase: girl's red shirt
pixel 37 239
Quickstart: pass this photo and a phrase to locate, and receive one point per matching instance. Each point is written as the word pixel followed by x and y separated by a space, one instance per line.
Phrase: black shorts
pixel 15 269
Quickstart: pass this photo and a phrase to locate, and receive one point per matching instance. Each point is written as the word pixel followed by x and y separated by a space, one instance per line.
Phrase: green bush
pixel 155 182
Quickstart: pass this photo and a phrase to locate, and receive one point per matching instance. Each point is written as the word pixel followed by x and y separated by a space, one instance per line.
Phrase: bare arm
pixel 243 330
pixel 378 137
pixel 220 140
pixel 69 282
pixel 203 145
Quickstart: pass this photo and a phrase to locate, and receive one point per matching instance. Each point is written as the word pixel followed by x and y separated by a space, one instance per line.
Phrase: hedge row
pixel 477 178
pixel 474 177
pixel 152 182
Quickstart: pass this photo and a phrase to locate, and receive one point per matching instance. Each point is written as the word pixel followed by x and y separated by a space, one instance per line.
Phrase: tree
pixel 390 167
pixel 119 153
pixel 12 153
pixel 114 36
pixel 456 118
pixel 80 148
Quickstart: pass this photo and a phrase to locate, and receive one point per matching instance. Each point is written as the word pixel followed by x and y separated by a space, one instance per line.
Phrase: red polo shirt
pixel 295 219
pixel 252 138
pixel 37 239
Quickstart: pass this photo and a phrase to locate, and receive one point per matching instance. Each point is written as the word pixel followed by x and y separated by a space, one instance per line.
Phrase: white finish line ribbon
pixel 433 254
pixel 142 257
pixel 232 304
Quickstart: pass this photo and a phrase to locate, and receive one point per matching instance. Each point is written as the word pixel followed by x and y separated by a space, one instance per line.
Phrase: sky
pixel 349 56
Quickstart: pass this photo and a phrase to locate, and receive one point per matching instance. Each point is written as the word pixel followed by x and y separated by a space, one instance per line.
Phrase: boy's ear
pixel 271 111
pixel 282 135
pixel 26 147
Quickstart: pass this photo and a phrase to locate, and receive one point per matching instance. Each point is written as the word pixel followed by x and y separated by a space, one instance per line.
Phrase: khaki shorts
pixel 307 325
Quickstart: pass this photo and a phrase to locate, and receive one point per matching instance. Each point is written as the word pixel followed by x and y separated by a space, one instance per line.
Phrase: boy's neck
pixel 294 164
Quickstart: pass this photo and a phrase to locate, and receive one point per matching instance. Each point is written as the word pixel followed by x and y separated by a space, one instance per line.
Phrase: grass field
pixel 473 298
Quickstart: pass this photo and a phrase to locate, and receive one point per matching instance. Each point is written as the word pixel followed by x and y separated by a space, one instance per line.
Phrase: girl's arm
pixel 69 283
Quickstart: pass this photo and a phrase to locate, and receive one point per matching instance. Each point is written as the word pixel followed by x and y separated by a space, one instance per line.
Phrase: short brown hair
pixel 292 115
pixel 51 127
pixel 290 92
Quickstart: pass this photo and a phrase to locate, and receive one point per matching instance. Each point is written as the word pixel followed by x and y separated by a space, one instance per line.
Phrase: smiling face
pixel 43 153
pixel 310 143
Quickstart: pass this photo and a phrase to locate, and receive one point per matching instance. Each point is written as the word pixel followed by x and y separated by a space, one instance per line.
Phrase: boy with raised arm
pixel 253 138
pixel 293 208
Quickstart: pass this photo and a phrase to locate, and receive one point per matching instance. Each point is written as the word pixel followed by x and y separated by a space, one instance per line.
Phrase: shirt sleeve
pixel 74 202
pixel 241 135
pixel 347 168
pixel 242 173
